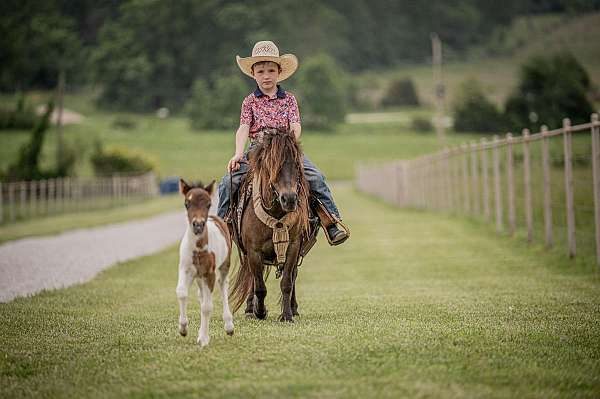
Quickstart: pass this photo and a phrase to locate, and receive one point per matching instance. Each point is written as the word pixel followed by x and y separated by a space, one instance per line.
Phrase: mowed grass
pixel 414 304
pixel 54 224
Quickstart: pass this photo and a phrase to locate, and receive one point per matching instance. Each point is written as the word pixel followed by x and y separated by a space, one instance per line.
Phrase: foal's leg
pixel 183 285
pixel 206 307
pixel 224 284
pixel 287 283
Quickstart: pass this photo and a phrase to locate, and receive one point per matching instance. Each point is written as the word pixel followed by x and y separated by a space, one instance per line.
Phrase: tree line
pixel 146 54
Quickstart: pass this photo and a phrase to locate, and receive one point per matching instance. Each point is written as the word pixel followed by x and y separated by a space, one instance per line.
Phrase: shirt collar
pixel 280 92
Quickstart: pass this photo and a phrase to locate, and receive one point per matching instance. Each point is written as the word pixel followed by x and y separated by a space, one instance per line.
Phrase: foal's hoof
pixel 183 330
pixel 230 333
pixel 250 315
pixel 295 313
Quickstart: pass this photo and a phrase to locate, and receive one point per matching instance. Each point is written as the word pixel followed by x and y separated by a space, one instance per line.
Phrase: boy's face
pixel 266 75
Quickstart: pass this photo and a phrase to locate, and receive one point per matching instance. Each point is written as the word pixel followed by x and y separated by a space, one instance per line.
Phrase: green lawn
pixel 413 305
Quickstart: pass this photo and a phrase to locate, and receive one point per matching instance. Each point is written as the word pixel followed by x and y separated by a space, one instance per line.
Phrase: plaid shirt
pixel 260 112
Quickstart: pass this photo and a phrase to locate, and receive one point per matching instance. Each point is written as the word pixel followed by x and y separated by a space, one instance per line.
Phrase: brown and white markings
pixel 204 256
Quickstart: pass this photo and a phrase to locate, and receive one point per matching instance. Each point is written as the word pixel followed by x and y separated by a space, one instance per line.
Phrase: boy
pixel 272 107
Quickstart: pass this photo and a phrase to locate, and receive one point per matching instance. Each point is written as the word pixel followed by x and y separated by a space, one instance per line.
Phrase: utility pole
pixel 439 89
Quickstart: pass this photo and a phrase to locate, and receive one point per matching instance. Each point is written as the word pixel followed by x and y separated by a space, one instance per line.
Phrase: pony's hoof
pixel 230 333
pixel 261 316
pixel 203 342
pixel 286 319
pixel 250 315
pixel 295 313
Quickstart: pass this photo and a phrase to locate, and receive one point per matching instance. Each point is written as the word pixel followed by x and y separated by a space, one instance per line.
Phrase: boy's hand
pixel 234 163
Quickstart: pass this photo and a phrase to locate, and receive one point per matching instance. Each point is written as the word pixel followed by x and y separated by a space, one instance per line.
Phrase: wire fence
pixel 546 184
pixel 28 199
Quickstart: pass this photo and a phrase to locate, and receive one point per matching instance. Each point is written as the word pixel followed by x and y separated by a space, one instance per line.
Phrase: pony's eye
pixel 187 204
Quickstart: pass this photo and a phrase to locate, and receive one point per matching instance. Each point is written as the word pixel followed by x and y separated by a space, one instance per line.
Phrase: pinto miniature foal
pixel 204 255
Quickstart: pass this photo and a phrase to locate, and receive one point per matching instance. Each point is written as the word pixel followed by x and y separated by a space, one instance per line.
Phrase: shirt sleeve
pixel 246 114
pixel 293 112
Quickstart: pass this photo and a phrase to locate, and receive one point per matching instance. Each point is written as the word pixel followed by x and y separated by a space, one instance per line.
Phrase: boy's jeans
pixel 315 178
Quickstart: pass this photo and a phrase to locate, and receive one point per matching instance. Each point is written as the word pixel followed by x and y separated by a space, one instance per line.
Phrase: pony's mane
pixel 268 158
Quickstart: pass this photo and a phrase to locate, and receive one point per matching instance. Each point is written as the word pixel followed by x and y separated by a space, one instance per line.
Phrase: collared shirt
pixel 260 112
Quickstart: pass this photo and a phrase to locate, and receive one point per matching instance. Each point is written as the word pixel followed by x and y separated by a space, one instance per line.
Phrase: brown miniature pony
pixel 280 195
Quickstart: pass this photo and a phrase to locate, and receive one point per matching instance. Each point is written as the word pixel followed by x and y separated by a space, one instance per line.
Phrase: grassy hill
pixel 496 65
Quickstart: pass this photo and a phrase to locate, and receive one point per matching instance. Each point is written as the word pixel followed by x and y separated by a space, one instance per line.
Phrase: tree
pixel 474 112
pixel 322 92
pixel 550 89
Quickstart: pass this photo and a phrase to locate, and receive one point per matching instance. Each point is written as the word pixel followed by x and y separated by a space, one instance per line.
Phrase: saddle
pixel 243 198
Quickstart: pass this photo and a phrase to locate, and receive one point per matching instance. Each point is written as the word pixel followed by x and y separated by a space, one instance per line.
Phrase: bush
pixel 400 92
pixel 473 112
pixel 124 122
pixel 322 93
pixel 550 89
pixel 421 124
pixel 21 117
pixel 116 160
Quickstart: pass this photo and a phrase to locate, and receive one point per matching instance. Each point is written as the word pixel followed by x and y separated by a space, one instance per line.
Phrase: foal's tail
pixel 242 284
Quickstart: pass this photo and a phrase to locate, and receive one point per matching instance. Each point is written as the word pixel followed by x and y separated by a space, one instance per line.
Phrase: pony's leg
pixel 183 285
pixel 206 307
pixel 286 294
pixel 249 312
pixel 224 285
pixel 294 302
pixel 260 289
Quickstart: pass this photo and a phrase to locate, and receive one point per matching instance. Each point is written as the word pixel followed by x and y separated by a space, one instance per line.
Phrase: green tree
pixel 474 112
pixel 550 89
pixel 322 92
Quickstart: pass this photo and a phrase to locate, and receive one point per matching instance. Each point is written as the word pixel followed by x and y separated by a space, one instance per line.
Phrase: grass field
pixel 414 304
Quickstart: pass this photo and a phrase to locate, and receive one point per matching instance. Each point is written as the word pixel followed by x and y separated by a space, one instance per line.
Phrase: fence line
pixel 24 200
pixel 518 189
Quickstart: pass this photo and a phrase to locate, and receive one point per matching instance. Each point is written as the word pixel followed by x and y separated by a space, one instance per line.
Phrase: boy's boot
pixel 335 236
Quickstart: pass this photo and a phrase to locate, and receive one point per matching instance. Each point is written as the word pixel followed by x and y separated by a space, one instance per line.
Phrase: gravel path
pixel 30 265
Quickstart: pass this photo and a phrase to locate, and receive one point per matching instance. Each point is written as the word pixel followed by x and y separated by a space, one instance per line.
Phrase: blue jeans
pixel 315 179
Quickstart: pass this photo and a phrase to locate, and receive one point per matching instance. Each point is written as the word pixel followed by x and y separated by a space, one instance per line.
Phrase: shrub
pixel 421 124
pixel 550 89
pixel 473 112
pixel 21 117
pixel 124 122
pixel 322 93
pixel 115 160
pixel 400 92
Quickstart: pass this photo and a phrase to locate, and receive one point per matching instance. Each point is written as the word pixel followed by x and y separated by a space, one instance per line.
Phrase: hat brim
pixel 287 62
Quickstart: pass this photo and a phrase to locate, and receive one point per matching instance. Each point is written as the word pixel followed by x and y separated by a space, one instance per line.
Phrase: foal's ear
pixel 209 189
pixel 183 187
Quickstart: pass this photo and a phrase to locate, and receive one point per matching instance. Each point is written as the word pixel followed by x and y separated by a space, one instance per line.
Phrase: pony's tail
pixel 242 284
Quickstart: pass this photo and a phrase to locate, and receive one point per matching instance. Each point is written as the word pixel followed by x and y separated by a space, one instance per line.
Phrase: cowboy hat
pixel 267 51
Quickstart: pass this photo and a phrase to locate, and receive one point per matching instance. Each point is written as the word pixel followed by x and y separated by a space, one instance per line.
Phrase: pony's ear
pixel 209 189
pixel 183 187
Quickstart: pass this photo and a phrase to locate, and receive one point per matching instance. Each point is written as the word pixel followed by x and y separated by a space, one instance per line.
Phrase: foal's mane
pixel 268 159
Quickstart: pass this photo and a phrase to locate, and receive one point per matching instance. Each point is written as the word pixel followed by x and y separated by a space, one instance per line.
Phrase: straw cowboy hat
pixel 268 51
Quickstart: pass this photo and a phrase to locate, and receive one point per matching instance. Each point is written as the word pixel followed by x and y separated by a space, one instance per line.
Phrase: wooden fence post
pixel 568 148
pixel 596 171
pixel 32 197
pixel 485 180
pixel 510 180
pixel 22 198
pixel 547 187
pixel 446 177
pixel 497 185
pixel 527 172
pixel 43 196
pixel 1 203
pixel 11 201
pixel 465 176
pixel 475 179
